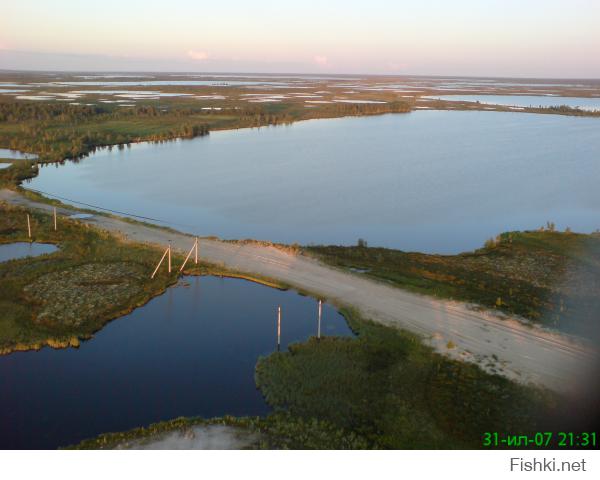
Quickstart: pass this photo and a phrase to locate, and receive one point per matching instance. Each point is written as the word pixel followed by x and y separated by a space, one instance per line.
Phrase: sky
pixel 509 38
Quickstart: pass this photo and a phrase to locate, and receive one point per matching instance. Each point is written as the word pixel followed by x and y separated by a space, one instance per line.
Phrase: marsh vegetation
pixel 383 389
pixel 391 391
pixel 61 298
pixel 56 131
pixel 549 277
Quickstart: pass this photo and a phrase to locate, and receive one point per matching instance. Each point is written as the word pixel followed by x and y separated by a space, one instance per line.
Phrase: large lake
pixel 191 351
pixel 434 181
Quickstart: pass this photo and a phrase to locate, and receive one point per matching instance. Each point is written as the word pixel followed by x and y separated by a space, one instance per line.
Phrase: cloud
pixel 395 66
pixel 320 60
pixel 196 55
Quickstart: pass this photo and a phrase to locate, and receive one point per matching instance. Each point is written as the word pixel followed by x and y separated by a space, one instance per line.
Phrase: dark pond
pixel 13 251
pixel 191 351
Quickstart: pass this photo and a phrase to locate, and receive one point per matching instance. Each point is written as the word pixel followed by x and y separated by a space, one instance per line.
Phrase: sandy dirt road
pixel 506 345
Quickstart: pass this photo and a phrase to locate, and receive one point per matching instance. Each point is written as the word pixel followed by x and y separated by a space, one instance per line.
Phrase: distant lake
pixel 526 100
pixel 189 352
pixel 15 154
pixel 433 181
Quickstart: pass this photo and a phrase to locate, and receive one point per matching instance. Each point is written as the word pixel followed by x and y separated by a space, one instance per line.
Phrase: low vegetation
pixel 60 298
pixel 546 276
pixel 393 392
pixel 277 431
pixel 57 131
pixel 17 172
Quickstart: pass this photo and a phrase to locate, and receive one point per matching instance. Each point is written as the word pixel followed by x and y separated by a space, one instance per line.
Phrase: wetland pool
pixel 16 250
pixel 188 352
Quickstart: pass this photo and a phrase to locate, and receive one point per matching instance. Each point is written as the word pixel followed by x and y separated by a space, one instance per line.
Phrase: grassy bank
pixel 277 431
pixel 60 298
pixel 549 277
pixel 17 172
pixel 390 391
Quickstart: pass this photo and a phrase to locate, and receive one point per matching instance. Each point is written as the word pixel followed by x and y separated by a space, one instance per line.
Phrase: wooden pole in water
pixel 319 322
pixel 159 263
pixel 28 226
pixel 55 219
pixel 169 250
pixel 278 328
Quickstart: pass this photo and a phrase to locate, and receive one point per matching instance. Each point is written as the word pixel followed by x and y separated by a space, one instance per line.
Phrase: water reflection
pixel 191 351
pixel 431 181
pixel 14 251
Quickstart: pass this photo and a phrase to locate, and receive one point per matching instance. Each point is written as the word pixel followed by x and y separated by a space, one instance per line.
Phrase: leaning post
pixel 28 227
pixel 194 248
pixel 55 219
pixel 159 263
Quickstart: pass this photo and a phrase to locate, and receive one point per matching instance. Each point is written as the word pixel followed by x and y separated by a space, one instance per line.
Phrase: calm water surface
pixel 434 181
pixel 191 351
pixel 15 154
pixel 527 100
pixel 13 251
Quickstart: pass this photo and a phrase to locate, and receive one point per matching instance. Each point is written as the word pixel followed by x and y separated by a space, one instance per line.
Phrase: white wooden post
pixel 55 219
pixel 196 259
pixel 169 250
pixel 194 247
pixel 278 327
pixel 28 226
pixel 159 263
pixel 319 322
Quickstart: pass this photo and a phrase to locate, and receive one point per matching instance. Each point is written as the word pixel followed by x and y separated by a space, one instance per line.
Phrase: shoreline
pixel 518 351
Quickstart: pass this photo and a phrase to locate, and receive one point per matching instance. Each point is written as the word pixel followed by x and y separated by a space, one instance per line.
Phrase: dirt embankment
pixel 502 345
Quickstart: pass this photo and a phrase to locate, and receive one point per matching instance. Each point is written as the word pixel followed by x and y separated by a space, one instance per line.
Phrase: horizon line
pixel 283 73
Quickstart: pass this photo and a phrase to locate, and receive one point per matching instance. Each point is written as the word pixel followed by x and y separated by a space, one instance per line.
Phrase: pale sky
pixel 525 38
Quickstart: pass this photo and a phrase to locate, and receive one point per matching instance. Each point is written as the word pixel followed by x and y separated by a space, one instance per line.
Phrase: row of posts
pixel 194 250
pixel 319 314
pixel 29 223
pixel 167 254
